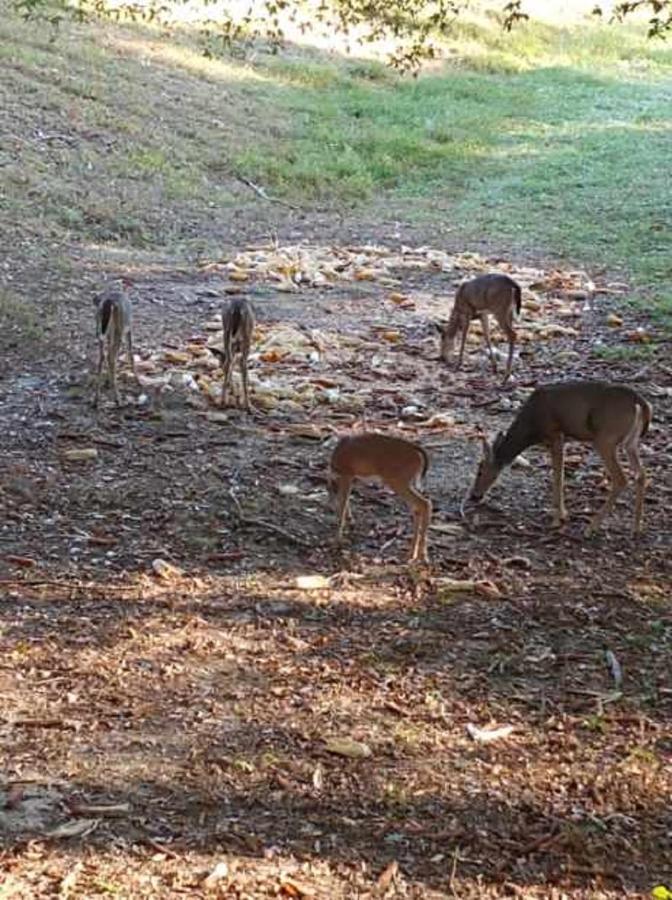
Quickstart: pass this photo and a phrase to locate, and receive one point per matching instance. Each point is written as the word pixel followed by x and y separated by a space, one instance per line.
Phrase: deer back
pixel 238 323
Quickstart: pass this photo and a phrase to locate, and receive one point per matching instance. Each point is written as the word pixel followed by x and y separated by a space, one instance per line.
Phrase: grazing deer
pixel 498 295
pixel 238 326
pixel 113 313
pixel 400 464
pixel 607 416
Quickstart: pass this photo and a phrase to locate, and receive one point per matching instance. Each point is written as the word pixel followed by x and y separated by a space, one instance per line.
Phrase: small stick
pixel 480 403
pixel 81 586
pixel 453 871
pixel 40 723
pixel 161 848
pixel 262 193
pixel 268 526
pixel 614 667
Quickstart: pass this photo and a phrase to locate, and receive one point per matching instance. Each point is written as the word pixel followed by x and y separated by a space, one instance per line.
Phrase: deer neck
pixel 519 437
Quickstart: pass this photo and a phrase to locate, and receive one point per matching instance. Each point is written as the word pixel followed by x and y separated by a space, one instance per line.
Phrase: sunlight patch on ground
pixel 186 58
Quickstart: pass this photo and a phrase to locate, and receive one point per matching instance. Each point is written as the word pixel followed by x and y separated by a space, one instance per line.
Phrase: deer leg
pixel 486 334
pixel 227 364
pixel 607 450
pixel 131 358
pixel 342 504
pixel 244 382
pixel 632 452
pixel 421 509
pixel 463 340
pixel 99 376
pixel 112 353
pixel 558 460
pixel 507 327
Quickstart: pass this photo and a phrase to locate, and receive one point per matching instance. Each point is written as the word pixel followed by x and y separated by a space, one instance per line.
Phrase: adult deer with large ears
pixel 607 416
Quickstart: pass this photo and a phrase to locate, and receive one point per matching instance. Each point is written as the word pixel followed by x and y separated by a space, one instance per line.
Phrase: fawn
pixel 498 295
pixel 238 326
pixel 608 416
pixel 113 313
pixel 400 464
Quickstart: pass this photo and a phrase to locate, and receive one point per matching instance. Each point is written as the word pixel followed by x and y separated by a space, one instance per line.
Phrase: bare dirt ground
pixel 215 729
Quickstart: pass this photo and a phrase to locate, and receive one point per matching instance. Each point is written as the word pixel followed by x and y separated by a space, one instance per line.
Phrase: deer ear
pixel 217 352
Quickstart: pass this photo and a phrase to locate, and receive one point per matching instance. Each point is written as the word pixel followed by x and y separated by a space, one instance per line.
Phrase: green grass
pixel 626 352
pixel 548 141
pixel 563 157
pixel 21 320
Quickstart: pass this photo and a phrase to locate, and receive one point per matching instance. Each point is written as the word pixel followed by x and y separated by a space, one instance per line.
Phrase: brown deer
pixel 399 464
pixel 113 313
pixel 238 323
pixel 607 416
pixel 496 295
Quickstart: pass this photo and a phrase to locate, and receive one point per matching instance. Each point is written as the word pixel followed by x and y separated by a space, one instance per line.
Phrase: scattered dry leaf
pixel 80 455
pixel 318 777
pixel 388 875
pixel 166 570
pixel 392 337
pixel 220 871
pixel 488 589
pixel 639 336
pixel 448 586
pixel 487 735
pixel 364 275
pixel 24 562
pixel 348 747
pixel 292 888
pixel 176 356
pixel 312 582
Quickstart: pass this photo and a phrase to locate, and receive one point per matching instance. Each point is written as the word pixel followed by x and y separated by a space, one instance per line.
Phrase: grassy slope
pixel 550 140
pixel 555 144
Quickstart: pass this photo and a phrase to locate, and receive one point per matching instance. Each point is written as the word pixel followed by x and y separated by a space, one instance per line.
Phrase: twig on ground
pixel 262 193
pixel 453 872
pixel 267 526
pixel 40 723
pixel 614 668
pixel 161 848
pixel 69 586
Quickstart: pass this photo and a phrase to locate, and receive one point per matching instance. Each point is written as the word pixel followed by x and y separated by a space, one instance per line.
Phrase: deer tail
pixel 647 413
pixel 105 314
pixel 425 461
pixel 236 316
pixel 517 297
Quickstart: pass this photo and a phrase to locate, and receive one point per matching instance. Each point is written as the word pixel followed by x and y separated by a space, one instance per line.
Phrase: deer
pixel 238 323
pixel 606 416
pixel 113 315
pixel 496 295
pixel 398 463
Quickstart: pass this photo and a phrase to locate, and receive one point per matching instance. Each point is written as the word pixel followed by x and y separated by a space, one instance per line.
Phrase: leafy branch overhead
pixel 415 27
